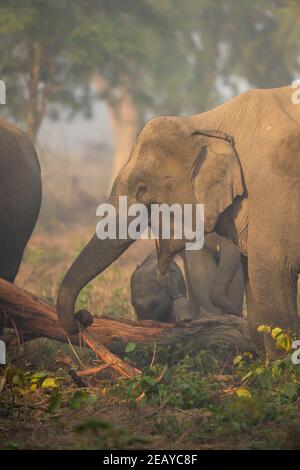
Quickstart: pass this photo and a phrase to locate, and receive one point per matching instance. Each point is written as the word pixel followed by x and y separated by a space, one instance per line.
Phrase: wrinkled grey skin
pixel 242 160
pixel 157 297
pixel 214 277
pixel 20 196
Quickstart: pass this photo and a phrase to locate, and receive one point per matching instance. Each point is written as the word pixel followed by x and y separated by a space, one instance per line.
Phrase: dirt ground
pixel 130 428
pixel 111 423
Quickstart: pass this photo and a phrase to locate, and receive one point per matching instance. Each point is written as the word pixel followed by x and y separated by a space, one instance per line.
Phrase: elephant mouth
pixel 163 263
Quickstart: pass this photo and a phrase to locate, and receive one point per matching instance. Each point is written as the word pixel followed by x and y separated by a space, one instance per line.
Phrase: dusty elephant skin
pixel 215 284
pixel 158 297
pixel 242 160
pixel 215 279
pixel 20 195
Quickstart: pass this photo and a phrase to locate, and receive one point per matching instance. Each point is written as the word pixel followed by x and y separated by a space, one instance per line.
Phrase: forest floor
pixel 217 399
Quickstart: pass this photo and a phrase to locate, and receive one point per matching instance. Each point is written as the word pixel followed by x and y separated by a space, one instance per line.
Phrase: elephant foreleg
pixel 229 266
pixel 272 296
pixel 254 318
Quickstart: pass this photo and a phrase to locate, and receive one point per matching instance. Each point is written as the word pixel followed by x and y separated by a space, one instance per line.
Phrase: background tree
pixel 50 50
pixel 141 57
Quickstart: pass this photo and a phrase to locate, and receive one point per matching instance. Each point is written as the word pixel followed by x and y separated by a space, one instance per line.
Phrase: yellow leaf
pixel 264 329
pixel 248 355
pixel 33 387
pixel 49 383
pixel 237 360
pixel 243 393
pixel 276 332
pixel 259 370
pixel 283 342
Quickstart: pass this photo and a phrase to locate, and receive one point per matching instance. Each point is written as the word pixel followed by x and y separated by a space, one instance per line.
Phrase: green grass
pixel 239 400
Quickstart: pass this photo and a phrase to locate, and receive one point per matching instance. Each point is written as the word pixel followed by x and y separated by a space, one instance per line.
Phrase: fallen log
pixel 33 316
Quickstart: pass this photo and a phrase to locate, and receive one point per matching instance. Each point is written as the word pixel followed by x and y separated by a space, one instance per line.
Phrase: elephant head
pixel 172 161
pixel 157 297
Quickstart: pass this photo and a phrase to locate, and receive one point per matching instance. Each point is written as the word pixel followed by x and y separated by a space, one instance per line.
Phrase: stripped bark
pixel 33 317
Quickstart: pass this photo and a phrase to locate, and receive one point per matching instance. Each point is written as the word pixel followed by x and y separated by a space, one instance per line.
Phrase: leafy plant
pixel 282 339
pixel 81 398
pixel 106 436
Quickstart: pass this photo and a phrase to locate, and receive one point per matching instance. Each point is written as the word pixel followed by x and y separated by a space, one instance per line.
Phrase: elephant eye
pixel 142 190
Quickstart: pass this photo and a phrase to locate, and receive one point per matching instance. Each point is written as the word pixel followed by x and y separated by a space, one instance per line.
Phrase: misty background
pixel 83 77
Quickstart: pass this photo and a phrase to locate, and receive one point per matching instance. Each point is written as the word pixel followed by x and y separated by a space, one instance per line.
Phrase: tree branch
pixel 34 317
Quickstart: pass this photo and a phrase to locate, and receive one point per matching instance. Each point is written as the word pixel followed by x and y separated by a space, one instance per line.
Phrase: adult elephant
pixel 242 160
pixel 20 196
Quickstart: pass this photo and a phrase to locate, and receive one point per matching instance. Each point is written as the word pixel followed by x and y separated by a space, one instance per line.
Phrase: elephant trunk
pixel 94 258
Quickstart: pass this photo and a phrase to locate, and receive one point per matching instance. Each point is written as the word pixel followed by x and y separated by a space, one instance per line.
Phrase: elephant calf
pixel 157 297
pixel 214 277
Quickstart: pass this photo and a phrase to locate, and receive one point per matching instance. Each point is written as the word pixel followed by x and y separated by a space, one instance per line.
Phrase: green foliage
pixel 78 400
pixel 13 446
pixel 103 435
pixel 49 50
pixel 130 347
pixel 81 398
pixel 240 395
pixel 207 396
pixel 26 382
pixel 188 383
pixel 55 401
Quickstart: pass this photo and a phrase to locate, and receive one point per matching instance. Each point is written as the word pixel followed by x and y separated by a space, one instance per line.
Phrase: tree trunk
pixel 32 316
pixel 32 118
pixel 124 118
pixel 125 125
pixel 37 98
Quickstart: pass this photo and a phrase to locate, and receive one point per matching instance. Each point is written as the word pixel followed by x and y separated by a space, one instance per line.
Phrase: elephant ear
pixel 216 174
